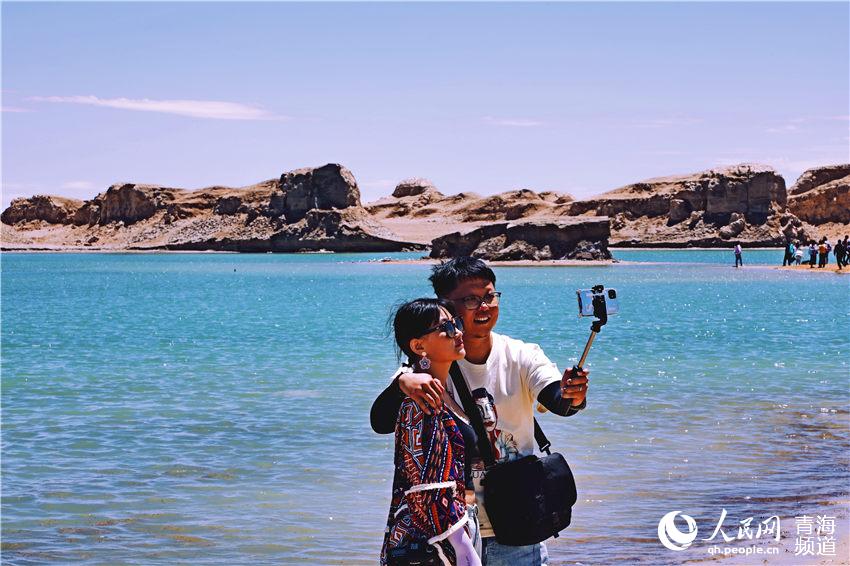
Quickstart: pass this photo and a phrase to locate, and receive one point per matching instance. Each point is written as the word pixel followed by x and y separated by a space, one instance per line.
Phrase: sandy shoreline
pixel 829 268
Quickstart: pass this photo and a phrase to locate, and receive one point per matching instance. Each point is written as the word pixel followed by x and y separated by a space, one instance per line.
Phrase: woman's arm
pixel 465 554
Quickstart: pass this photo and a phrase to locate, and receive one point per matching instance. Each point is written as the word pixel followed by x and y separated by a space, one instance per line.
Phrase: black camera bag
pixel 527 500
pixel 414 554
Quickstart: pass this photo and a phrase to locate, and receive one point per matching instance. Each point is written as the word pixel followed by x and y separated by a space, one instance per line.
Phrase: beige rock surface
pixel 52 209
pixel 305 210
pixel 319 208
pixel 718 207
pixel 567 238
pixel 822 195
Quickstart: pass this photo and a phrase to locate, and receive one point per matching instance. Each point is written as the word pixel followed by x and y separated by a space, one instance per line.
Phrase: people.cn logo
pixel 671 537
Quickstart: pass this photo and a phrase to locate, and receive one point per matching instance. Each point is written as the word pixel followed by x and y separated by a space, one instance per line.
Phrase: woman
pixel 428 516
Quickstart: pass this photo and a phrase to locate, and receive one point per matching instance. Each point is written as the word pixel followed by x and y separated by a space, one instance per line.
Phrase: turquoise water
pixel 213 408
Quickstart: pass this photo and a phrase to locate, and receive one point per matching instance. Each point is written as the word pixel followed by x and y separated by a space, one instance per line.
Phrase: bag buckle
pixel 545 448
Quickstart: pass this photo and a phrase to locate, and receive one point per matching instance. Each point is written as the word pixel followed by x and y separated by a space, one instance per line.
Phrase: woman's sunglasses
pixel 450 327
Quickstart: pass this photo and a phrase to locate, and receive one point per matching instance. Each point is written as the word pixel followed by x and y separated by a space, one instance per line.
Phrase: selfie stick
pixel 600 311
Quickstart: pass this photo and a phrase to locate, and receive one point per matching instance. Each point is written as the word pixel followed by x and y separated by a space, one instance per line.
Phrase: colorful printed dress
pixel 428 484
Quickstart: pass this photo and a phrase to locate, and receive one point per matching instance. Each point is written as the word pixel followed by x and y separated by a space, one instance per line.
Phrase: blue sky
pixel 484 97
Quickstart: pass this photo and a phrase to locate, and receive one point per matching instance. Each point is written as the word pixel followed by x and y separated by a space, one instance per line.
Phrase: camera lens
pixel 612 294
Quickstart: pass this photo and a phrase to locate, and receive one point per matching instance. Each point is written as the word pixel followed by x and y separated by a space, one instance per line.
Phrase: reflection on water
pixel 164 408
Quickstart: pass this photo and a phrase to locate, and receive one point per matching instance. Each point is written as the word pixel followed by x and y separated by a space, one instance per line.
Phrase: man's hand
pixel 425 391
pixel 574 386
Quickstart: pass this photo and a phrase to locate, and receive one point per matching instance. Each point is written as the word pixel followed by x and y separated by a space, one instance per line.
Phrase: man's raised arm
pixel 566 397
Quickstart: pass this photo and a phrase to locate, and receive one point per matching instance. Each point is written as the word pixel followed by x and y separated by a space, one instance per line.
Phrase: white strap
pixel 451 530
pixel 429 486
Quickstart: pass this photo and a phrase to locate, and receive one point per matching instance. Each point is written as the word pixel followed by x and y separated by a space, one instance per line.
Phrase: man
pixel 514 374
pixel 840 251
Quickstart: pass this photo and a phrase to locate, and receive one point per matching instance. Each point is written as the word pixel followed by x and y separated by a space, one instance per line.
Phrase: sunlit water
pixel 213 408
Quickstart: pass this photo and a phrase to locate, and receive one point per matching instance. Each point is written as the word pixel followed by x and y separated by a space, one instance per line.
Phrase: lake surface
pixel 213 408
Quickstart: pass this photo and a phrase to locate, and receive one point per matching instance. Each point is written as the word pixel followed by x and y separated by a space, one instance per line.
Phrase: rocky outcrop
pixel 347 230
pixel 327 187
pixel 45 208
pixel 130 202
pixel 754 191
pixel 414 187
pixel 574 238
pixel 410 197
pixel 712 208
pixel 812 178
pixel 319 208
pixel 419 198
pixel 306 209
pixel 822 195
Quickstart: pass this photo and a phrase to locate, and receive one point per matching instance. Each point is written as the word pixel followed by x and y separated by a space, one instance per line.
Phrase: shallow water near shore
pixel 213 409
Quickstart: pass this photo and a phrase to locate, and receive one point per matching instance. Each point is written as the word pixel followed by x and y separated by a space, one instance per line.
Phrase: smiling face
pixel 477 323
pixel 437 345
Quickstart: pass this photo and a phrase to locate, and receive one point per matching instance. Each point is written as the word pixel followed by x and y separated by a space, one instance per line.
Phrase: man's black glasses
pixel 472 302
pixel 450 327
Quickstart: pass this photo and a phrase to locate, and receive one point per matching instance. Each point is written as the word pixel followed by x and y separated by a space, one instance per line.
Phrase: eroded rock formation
pixel 305 210
pixel 569 238
pixel 44 208
pixel 822 195
pixel 319 208
pixel 418 198
pixel 711 208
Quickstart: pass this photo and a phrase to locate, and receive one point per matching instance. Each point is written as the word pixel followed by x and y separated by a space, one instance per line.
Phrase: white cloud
pixel 675 121
pixel 15 109
pixel 785 129
pixel 213 109
pixel 512 122
pixel 667 152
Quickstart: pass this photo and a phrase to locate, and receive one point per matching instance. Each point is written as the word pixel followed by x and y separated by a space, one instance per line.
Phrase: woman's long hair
pixel 413 319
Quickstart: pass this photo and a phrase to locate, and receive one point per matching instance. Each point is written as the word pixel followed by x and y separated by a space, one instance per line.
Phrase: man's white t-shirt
pixel 514 374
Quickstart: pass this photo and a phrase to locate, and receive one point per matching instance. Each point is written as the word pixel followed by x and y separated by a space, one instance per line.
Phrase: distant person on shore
pixel 813 254
pixel 428 513
pixel 823 252
pixel 845 244
pixel 513 372
pixel 739 260
pixel 798 254
pixel 840 253
pixel 789 253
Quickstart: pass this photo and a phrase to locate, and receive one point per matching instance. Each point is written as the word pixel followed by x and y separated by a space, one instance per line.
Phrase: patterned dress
pixel 428 484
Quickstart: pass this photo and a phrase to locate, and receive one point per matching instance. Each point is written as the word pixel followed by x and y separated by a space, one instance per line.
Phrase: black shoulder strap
pixel 542 442
pixel 471 410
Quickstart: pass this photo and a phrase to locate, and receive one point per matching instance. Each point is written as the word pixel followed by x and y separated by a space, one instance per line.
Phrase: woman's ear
pixel 417 346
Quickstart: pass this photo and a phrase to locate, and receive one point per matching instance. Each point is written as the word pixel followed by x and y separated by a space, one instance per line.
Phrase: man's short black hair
pixel 446 276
